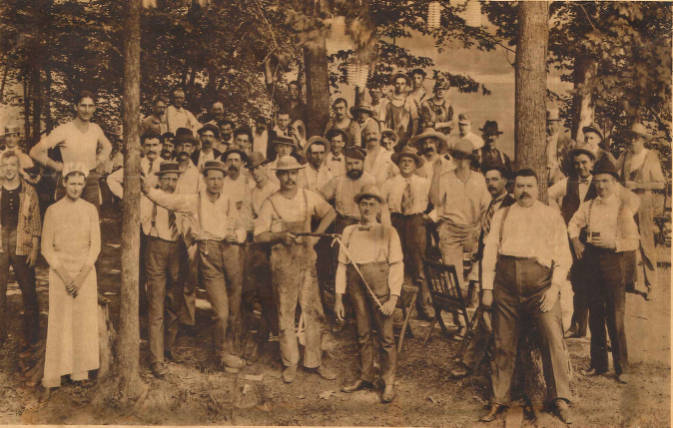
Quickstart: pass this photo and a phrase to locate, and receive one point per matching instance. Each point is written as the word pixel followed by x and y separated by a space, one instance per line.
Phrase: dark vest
pixel 571 200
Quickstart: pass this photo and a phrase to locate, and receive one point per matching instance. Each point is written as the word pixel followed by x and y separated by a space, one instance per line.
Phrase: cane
pixel 337 238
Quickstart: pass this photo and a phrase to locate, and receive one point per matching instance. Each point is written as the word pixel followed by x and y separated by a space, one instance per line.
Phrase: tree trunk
pixel 531 89
pixel 48 118
pixel 317 86
pixel 128 351
pixel 583 106
pixel 36 96
pixel 26 104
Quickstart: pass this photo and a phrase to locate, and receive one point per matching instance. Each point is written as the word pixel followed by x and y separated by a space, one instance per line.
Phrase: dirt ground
pixel 196 393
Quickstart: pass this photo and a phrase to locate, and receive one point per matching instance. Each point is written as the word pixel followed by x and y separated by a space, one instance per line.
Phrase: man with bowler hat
pixel 489 155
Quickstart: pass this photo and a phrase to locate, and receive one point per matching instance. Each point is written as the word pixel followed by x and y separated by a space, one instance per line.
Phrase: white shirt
pixel 343 189
pixel 393 190
pixel 190 180
pixel 259 195
pixel 205 157
pixel 180 118
pixel 312 179
pixel 76 146
pixel 115 181
pixel 277 209
pixel 336 165
pixel 537 232
pixel 557 191
pixel 379 165
pixel 477 141
pixel 260 142
pixel 461 202
pixel 161 227
pixel 376 244
pixel 239 191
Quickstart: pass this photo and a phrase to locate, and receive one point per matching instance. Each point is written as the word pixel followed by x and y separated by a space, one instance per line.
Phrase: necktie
pixel 336 158
pixel 149 172
pixel 486 225
pixel 172 225
pixel 407 199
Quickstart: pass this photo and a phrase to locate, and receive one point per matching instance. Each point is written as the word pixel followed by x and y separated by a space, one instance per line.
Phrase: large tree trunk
pixel 531 89
pixel 128 351
pixel 583 106
pixel 317 86
pixel 26 103
pixel 36 95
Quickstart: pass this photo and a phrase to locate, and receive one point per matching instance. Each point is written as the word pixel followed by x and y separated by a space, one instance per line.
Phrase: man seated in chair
pixel 374 287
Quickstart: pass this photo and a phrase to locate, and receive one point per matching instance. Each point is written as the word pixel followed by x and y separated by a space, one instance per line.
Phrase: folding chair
pixel 447 297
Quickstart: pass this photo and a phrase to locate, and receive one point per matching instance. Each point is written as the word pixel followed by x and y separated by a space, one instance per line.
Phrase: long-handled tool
pixel 336 238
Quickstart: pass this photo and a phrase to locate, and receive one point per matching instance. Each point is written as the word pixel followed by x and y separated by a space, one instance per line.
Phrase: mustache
pixel 525 194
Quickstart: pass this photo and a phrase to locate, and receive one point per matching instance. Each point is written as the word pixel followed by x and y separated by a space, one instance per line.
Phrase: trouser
pixel 162 266
pixel 295 281
pixel 518 288
pixel 478 345
pixel 413 237
pixel 607 298
pixel 578 279
pixel 25 276
pixel 367 313
pixel 220 271
pixel 189 277
pixel 259 284
pixel 454 242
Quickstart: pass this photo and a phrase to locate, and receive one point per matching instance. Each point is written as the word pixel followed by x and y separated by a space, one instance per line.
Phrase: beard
pixel 354 174
pixel 233 170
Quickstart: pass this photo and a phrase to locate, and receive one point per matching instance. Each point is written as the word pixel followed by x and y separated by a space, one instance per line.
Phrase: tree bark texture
pixel 583 106
pixel 531 89
pixel 317 86
pixel 129 333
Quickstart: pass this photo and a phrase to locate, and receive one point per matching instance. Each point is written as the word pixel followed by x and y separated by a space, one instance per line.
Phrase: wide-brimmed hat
pixel 395 76
pixel 214 165
pixel 362 107
pixel 638 129
pixel 582 150
pixel 73 167
pixel 369 190
pixel 407 151
pixel 490 128
pixel 181 132
pixel 430 133
pixel 287 163
pixel 605 166
pixel 317 139
pixel 168 167
pixel 355 152
pixel 255 159
pixel 244 156
pixel 281 139
pixel 210 127
pixel 463 147
pixel 593 128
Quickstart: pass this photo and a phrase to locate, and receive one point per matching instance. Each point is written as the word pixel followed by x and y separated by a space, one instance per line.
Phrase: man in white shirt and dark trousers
pixel 162 268
pixel 526 259
pixel 407 197
pixel 601 231
pixel 376 250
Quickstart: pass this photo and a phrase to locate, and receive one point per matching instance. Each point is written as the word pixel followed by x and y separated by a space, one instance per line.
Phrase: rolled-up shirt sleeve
pixel 491 252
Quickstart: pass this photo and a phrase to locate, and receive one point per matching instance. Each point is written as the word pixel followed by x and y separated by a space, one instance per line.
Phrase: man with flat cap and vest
pixel 336 160
pixel 316 174
pixel 218 233
pixel 460 201
pixel 402 110
pixel 161 263
pixel 372 250
pixel 602 230
pixel 489 155
pixel 526 260
pixel 284 216
pixel 406 196
pixel 208 134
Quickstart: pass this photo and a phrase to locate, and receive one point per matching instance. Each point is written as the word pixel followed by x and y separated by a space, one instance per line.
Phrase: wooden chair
pixel 447 298
pixel 406 302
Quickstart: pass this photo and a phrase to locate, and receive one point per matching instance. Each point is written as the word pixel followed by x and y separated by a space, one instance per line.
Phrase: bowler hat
pixel 355 152
pixel 168 167
pixel 463 148
pixel 593 128
pixel 369 190
pixel 287 163
pixel 582 150
pixel 210 127
pixel 225 155
pixel 605 166
pixel 255 160
pixel 490 128
pixel 408 151
pixel 181 132
pixel 214 165
pixel 430 133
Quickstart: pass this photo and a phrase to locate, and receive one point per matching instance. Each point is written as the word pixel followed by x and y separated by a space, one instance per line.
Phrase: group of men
pixel 248 215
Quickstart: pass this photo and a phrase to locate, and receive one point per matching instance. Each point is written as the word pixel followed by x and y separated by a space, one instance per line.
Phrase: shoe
pixel 289 373
pixel 29 350
pixel 388 394
pixel 460 371
pixel 323 372
pixel 158 370
pixel 563 411
pixel 574 334
pixel 357 386
pixel 493 413
pixel 592 372
pixel 232 362
pixel 622 378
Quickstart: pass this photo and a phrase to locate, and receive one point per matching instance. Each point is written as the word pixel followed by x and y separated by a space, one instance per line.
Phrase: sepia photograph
pixel 449 213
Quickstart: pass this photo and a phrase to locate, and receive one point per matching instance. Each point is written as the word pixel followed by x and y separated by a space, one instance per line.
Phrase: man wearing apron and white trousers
pixel 283 215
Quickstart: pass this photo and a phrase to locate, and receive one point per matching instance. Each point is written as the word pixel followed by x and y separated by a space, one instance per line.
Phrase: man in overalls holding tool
pixel 371 267
pixel 283 218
